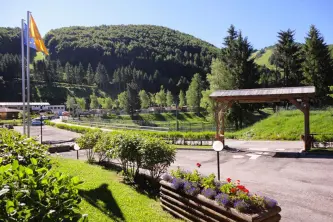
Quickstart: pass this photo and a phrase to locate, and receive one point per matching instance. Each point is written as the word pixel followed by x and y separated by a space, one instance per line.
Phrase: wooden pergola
pixel 298 96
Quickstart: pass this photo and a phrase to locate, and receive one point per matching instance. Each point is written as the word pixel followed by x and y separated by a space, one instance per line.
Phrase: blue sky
pixel 209 20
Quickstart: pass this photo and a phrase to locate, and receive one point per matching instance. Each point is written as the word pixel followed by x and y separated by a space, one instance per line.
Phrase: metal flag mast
pixel 28 72
pixel 23 76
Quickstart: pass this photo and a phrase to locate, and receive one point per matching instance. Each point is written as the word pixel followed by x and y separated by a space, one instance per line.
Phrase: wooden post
pixel 307 139
pixel 305 108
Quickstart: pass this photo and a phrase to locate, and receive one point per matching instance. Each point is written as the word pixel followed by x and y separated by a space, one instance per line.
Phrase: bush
pixel 88 142
pixel 29 189
pixel 14 146
pixel 157 156
pixel 127 148
pixel 30 193
pixel 104 147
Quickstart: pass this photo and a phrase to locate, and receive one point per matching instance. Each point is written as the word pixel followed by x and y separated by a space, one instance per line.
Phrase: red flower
pixel 198 165
pixel 229 180
pixel 246 190
pixel 233 190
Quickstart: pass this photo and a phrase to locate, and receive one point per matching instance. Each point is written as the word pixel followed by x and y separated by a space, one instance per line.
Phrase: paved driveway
pixel 50 133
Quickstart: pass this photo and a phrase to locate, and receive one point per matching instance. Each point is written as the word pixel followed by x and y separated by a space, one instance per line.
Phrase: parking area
pixel 50 134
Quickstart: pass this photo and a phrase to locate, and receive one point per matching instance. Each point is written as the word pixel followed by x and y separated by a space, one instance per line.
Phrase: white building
pixel 35 106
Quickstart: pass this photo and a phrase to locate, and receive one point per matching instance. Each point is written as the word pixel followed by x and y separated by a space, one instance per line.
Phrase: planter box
pixel 200 208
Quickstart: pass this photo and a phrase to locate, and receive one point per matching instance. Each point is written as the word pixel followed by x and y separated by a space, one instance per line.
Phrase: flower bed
pixel 191 196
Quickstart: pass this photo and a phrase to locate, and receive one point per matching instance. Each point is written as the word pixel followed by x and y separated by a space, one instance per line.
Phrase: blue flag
pixel 31 40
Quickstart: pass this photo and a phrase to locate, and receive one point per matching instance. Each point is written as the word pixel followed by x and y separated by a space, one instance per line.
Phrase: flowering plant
pixel 228 194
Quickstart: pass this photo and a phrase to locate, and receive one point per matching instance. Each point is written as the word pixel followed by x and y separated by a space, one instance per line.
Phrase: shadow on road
pixel 302 155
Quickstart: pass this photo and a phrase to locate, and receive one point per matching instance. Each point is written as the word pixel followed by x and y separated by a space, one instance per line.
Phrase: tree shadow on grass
pixel 143 183
pixel 103 194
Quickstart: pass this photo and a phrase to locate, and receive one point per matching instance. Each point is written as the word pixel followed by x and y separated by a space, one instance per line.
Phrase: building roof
pixel 7 110
pixel 264 94
pixel 21 104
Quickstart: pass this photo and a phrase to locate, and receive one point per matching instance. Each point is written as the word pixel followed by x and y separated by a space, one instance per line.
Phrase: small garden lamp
pixel 77 148
pixel 218 146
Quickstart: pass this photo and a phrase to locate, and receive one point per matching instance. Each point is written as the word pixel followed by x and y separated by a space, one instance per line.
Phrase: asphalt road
pixel 302 186
pixel 50 134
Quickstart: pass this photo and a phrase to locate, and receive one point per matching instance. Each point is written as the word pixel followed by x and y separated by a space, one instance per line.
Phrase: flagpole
pixel 23 78
pixel 28 71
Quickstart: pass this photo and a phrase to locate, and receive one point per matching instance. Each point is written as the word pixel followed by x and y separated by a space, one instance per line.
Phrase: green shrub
pixel 31 193
pixel 105 147
pixel 14 146
pixel 88 142
pixel 157 156
pixel 127 148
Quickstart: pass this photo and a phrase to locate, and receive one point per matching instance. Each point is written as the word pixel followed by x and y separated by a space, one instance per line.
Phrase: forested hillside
pixel 149 55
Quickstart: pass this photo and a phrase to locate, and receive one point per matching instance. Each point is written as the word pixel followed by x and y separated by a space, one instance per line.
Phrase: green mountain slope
pixel 263 58
pixel 145 47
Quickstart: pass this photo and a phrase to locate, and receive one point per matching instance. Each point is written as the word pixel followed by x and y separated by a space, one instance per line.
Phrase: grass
pixel 105 198
pixel 289 125
pixel 264 59
pixel 326 150
pixel 193 146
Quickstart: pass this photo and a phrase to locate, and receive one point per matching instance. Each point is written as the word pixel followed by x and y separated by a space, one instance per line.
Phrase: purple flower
pixel 191 188
pixel 222 199
pixel 269 202
pixel 209 193
pixel 241 206
pixel 177 183
pixel 167 177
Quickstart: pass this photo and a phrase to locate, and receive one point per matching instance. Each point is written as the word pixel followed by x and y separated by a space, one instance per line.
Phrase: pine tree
pixel 90 76
pixel 289 58
pixel 101 75
pixel 317 66
pixel 169 98
pixel 193 94
pixel 67 73
pixel 133 98
pixel 59 71
pixel 182 99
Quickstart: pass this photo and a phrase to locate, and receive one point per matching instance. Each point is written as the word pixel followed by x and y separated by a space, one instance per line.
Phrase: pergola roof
pixel 264 94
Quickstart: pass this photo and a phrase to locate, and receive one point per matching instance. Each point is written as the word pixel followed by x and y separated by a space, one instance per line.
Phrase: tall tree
pixel 193 94
pixel 160 97
pixel 169 98
pixel 70 103
pixel 94 102
pixel 108 103
pixel 144 99
pixel 101 75
pixel 317 65
pixel 123 100
pixel 81 103
pixel 289 58
pixel 182 99
pixel 90 76
pixel 133 98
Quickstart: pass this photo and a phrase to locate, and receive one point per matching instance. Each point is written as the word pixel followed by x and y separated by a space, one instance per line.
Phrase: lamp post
pixel 77 148
pixel 41 124
pixel 218 146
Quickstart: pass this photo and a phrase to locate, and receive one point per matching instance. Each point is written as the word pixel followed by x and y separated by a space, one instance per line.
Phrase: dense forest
pixel 143 65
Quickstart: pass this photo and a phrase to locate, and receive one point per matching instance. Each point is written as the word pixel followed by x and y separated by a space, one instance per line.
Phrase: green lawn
pixel 289 125
pixel 105 198
pixel 264 59
pixel 193 146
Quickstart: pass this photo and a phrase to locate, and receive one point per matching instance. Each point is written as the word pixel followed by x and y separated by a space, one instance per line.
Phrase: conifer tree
pixel 317 65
